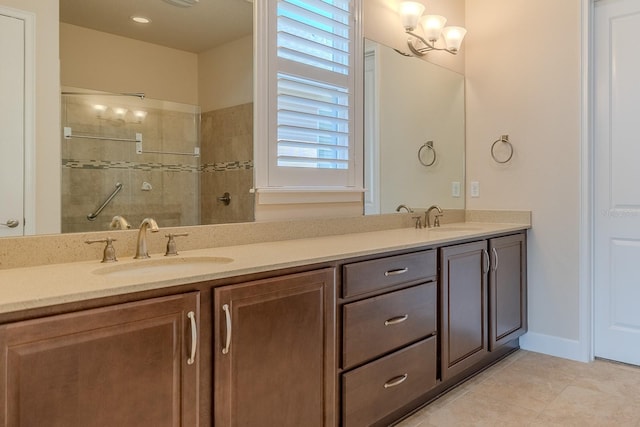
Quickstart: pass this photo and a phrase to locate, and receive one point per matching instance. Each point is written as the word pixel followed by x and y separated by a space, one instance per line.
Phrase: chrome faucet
pixel 436 220
pixel 400 207
pixel 119 222
pixel 141 250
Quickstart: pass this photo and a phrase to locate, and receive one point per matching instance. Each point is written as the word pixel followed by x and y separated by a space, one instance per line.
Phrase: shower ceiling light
pixel 182 3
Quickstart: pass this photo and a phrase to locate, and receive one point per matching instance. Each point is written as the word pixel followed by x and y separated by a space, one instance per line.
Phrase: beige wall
pixel 225 75
pixel 523 71
pixel 96 60
pixel 382 24
pixel 47 111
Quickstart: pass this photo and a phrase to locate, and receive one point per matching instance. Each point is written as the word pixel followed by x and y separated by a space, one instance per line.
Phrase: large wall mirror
pixel 414 132
pixel 183 153
pixel 199 95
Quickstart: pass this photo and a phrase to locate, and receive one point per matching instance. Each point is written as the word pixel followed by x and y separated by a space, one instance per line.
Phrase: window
pixel 313 140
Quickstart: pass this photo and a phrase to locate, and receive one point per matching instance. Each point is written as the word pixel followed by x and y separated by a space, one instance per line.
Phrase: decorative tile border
pixel 226 166
pixel 161 167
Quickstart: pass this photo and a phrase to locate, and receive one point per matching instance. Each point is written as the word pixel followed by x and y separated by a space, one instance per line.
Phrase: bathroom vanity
pixel 350 330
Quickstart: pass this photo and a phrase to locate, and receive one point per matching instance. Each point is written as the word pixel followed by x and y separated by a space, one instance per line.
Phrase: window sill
pixel 302 195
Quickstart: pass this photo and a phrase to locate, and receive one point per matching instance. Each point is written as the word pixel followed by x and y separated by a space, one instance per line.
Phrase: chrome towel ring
pixel 429 146
pixel 504 139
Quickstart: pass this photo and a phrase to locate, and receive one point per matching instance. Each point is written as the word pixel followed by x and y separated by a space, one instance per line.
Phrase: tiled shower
pixel 172 161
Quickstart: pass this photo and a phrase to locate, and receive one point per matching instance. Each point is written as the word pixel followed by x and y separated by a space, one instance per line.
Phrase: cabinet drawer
pixel 378 325
pixel 373 391
pixel 367 276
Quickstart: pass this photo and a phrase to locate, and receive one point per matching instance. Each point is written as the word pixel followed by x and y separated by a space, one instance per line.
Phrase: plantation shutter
pixel 314 143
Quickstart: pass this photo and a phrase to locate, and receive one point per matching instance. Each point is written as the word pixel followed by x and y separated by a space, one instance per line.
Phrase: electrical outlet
pixel 455 189
pixel 475 189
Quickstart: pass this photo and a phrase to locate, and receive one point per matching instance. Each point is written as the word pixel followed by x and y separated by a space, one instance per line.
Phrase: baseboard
pixel 554 346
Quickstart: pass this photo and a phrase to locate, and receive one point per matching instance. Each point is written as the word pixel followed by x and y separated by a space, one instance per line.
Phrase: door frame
pixel 587 186
pixel 29 190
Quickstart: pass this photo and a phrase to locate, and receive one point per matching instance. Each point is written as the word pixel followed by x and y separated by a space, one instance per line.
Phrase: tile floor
pixel 531 389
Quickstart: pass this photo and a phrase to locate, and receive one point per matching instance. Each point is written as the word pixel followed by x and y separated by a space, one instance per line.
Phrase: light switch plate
pixel 475 189
pixel 455 189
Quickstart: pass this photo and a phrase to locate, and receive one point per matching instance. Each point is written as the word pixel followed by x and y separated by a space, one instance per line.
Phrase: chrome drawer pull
pixel 396 381
pixel 396 320
pixel 194 338
pixel 396 272
pixel 227 315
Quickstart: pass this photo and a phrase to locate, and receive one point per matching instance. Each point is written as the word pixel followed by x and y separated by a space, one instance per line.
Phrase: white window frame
pixel 301 185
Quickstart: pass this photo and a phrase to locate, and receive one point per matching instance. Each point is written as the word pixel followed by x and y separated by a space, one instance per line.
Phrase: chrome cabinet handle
pixel 396 272
pixel 194 338
pixel 495 257
pixel 227 315
pixel 11 223
pixel 396 320
pixel 486 261
pixel 396 381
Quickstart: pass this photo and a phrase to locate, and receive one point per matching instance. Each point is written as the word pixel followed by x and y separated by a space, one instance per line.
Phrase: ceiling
pixel 205 25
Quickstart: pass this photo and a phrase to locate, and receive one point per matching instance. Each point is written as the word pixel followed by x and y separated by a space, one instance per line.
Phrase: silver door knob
pixel 12 223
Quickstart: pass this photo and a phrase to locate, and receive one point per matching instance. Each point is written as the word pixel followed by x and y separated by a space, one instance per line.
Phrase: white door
pixel 12 90
pixel 617 180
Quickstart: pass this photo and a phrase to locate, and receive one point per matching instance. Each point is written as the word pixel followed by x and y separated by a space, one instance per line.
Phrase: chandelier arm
pixel 423 40
pixel 428 46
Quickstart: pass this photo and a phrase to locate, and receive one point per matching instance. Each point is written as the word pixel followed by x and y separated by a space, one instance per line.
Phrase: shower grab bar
pixel 93 216
pixel 68 134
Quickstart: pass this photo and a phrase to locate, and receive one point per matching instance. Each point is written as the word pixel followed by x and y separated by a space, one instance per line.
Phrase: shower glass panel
pixel 149 146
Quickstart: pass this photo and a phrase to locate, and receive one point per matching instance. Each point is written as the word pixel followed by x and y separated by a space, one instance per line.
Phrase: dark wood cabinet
pixel 376 389
pixel 274 352
pixel 463 304
pixel 483 299
pixel 389 341
pixel 378 325
pixel 299 349
pixel 131 364
pixel 364 277
pixel 507 289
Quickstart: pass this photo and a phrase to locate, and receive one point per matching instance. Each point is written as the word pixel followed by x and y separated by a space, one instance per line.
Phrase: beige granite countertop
pixel 41 286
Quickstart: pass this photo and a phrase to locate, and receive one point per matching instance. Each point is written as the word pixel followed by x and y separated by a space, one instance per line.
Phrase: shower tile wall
pixel 91 168
pixel 227 164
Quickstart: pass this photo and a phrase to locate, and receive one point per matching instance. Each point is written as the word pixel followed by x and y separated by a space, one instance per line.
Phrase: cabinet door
pixel 124 365
pixel 275 360
pixel 507 289
pixel 464 314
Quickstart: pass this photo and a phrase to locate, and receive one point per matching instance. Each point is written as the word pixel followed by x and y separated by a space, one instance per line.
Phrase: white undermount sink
pixel 154 266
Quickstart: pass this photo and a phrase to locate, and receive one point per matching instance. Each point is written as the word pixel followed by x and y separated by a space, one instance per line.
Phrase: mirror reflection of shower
pixel 154 150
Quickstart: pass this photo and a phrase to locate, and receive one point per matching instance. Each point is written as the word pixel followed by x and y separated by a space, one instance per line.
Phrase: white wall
pixel 47 111
pixel 225 75
pixel 97 60
pixel 523 69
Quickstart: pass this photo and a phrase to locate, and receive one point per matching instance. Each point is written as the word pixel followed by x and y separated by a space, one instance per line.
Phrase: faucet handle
pixel 172 248
pixel 436 220
pixel 418 220
pixel 109 253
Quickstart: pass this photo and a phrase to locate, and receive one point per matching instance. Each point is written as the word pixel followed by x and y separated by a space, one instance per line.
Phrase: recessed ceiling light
pixel 140 19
